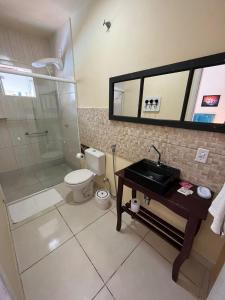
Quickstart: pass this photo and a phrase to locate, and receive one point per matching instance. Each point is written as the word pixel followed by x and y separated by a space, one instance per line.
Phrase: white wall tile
pixel 7 160
pixel 17 130
pixel 24 156
pixel 2 113
pixel 5 140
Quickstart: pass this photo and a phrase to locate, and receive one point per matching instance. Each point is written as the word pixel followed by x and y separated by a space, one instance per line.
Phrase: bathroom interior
pixel 112 150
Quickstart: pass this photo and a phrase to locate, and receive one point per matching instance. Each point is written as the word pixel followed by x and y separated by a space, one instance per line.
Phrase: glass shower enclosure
pixel 38 133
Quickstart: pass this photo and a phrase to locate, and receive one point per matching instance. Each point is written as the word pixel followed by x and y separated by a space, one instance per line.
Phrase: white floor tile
pixel 146 275
pixel 65 274
pixel 191 268
pixel 37 238
pixel 106 247
pixel 161 246
pixel 104 294
pixel 78 216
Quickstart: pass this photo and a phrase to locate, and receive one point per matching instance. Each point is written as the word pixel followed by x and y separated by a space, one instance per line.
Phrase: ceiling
pixel 40 16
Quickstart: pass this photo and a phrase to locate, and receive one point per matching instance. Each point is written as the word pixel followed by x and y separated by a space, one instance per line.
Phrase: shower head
pixel 44 62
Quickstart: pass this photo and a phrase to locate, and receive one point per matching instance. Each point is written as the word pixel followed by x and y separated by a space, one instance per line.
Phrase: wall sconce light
pixel 107 24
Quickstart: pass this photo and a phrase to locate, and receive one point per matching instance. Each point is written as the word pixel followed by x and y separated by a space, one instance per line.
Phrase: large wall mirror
pixel 189 94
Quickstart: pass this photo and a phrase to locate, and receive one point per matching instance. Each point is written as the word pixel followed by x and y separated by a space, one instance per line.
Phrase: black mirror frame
pixel 188 65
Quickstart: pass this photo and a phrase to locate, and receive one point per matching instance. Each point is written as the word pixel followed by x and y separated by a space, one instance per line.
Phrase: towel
pixel 217 210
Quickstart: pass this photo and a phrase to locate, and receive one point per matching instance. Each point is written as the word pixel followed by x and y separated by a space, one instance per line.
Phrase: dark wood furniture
pixel 193 208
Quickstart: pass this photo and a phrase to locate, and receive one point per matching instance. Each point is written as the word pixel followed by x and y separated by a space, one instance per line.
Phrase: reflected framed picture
pixel 210 100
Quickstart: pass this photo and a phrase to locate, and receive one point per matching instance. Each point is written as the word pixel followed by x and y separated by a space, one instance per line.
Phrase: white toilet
pixel 81 181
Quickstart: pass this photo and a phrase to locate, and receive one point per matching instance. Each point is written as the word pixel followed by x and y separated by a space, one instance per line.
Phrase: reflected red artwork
pixel 210 100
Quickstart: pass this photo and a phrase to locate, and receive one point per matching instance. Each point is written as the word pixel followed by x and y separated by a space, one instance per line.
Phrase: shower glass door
pixel 42 139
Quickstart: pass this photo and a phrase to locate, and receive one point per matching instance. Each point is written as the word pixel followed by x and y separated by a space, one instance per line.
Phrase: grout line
pixel 105 283
pixel 14 250
pixel 104 286
pixel 124 261
pixel 89 259
pixel 110 292
pixel 171 264
pixel 98 292
pixel 70 238
pixel 91 223
pixel 108 210
pixel 81 245
pixel 141 239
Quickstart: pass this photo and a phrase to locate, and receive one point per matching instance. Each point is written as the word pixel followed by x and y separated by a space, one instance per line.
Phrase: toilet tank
pixel 95 161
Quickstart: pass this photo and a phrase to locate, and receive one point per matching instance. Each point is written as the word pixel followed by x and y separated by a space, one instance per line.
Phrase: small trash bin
pixel 102 198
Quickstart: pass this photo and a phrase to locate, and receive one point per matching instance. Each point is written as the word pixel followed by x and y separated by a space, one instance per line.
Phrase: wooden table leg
pixel 119 203
pixel 198 227
pixel 190 231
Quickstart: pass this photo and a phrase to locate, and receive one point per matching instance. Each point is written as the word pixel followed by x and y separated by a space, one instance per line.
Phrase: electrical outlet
pixel 202 155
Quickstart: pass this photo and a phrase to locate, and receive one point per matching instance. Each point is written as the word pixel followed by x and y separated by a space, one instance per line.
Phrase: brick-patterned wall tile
pixel 178 146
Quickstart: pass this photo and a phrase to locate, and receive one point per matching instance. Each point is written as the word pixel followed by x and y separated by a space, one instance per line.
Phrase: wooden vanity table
pixel 192 207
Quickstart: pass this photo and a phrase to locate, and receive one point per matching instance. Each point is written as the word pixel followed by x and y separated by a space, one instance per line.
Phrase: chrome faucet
pixel 159 154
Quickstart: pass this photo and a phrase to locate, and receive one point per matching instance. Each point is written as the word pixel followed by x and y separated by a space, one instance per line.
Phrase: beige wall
pixel 8 267
pixel 145 34
pixel 217 291
pixel 171 90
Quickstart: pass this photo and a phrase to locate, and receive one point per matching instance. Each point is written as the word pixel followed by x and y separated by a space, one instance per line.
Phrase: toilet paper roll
pixel 135 205
pixel 80 155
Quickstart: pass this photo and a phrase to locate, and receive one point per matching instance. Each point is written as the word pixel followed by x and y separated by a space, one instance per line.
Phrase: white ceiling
pixel 40 16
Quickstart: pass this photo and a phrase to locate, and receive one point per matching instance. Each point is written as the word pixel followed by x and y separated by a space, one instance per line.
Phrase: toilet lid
pixel 78 176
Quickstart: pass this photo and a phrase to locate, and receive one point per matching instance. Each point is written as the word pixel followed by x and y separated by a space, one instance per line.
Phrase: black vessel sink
pixel 157 178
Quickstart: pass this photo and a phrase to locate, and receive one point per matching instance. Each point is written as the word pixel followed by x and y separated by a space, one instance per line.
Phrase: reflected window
pixel 126 98
pixel 17 85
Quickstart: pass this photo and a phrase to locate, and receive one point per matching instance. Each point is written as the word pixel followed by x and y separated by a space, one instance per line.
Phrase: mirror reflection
pixel 126 98
pixel 207 96
pixel 163 96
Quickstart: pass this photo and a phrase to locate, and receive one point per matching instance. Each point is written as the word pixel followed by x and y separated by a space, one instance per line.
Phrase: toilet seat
pixel 78 176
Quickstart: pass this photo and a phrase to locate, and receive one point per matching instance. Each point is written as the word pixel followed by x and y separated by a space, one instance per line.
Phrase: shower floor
pixel 24 182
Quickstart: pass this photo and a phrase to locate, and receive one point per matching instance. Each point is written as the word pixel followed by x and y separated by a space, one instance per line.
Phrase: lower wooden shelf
pixel 168 232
